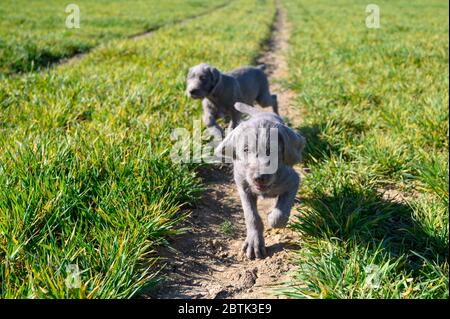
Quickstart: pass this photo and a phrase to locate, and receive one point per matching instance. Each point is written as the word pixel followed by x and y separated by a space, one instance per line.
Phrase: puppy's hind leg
pixel 267 99
pixel 235 119
pixel 275 104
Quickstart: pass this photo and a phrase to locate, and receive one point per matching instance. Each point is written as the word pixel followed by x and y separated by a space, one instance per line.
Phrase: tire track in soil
pixel 207 262
pixel 140 35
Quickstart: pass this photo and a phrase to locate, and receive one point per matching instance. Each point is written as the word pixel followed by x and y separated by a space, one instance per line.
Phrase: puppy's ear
pixel 227 148
pixel 293 145
pixel 215 75
pixel 246 109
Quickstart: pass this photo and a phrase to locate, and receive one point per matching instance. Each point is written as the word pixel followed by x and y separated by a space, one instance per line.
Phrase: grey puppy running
pixel 220 91
pixel 255 174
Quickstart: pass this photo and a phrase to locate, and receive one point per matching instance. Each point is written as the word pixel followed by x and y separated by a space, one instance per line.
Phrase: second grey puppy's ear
pixel 215 75
pixel 293 144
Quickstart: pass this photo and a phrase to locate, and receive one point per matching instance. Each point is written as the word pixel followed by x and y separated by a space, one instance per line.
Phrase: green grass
pixel 374 105
pixel 227 228
pixel 33 34
pixel 84 147
pixel 84 166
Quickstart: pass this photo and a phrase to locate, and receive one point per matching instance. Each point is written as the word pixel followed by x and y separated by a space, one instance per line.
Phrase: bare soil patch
pixel 207 261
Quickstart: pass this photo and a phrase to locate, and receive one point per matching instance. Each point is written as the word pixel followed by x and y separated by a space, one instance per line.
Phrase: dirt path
pixel 208 262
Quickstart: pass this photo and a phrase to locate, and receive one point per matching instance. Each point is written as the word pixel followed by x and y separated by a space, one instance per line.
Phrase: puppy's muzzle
pixel 195 93
pixel 262 181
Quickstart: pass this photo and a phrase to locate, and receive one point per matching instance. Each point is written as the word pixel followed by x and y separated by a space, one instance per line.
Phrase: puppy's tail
pixel 245 108
pixel 261 67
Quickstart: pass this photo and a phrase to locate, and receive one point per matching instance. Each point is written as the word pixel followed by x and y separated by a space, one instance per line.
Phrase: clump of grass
pixel 227 228
pixel 333 269
pixel 87 181
pixel 376 117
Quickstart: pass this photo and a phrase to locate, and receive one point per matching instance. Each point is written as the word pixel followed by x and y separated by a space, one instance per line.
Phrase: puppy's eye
pixel 202 78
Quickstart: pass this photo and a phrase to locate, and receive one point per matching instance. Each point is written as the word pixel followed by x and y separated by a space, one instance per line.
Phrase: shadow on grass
pixel 320 146
pixel 364 217
pixel 317 148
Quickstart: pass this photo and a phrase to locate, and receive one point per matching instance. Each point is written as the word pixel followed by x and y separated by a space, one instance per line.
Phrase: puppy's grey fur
pixel 220 91
pixel 283 184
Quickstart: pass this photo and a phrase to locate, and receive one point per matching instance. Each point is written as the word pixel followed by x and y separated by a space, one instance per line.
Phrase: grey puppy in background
pixel 250 161
pixel 220 91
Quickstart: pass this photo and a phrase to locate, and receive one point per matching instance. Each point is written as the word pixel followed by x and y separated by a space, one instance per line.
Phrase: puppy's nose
pixel 263 178
pixel 194 92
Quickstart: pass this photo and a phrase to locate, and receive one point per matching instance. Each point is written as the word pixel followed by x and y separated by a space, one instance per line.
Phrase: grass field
pixel 85 174
pixel 34 33
pixel 84 167
pixel 374 103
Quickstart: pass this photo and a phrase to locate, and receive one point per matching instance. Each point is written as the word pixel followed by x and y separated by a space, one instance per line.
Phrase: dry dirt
pixel 206 261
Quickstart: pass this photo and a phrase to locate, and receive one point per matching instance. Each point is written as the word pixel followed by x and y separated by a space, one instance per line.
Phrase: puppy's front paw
pixel 254 246
pixel 277 219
